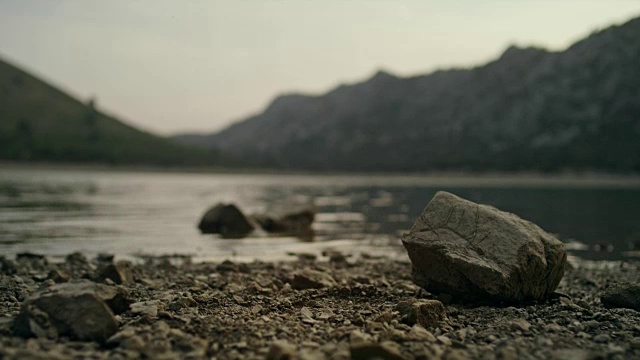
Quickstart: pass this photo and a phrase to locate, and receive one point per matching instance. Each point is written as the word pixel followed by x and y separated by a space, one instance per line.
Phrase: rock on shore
pixel 191 310
pixel 477 251
pixel 82 310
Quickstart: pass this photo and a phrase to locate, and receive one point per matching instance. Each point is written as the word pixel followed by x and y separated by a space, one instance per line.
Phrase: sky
pixel 197 66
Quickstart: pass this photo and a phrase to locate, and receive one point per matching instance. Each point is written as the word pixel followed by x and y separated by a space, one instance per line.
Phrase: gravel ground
pixel 333 307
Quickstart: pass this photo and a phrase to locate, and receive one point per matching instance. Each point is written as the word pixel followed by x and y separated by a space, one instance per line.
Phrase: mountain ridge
pixel 41 122
pixel 529 109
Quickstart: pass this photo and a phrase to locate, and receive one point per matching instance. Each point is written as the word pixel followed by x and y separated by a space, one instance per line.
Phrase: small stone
pixel 444 340
pixel 119 273
pixel 358 337
pixel 601 339
pixel 281 350
pixel 82 310
pixel 520 324
pixel 622 295
pixel 385 350
pixel 58 276
pixel 635 343
pixel 146 308
pixel 306 313
pixel 426 313
pixel 419 333
pixel 257 309
pixel 311 279
pixel 553 327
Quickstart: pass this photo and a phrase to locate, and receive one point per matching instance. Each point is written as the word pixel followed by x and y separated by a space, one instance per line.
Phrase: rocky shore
pixel 335 306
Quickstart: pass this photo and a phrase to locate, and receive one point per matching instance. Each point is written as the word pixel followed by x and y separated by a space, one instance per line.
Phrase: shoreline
pixel 587 179
pixel 227 310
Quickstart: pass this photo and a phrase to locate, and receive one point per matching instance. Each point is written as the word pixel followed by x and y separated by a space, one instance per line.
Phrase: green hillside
pixel 41 123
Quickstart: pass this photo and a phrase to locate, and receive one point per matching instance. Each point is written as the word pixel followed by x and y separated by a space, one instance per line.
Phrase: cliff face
pixel 528 110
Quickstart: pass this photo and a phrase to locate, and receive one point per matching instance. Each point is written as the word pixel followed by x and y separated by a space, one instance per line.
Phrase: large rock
pixel 226 220
pixel 479 252
pixel 81 310
pixel 623 295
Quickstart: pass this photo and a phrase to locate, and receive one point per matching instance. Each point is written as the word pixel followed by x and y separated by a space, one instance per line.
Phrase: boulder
pixel 226 220
pixel 622 295
pixel 479 252
pixel 81 310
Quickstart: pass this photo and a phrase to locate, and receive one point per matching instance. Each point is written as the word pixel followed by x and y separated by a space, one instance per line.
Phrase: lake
pixel 58 211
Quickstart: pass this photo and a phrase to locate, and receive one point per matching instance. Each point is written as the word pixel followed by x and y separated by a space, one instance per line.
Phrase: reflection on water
pixel 56 212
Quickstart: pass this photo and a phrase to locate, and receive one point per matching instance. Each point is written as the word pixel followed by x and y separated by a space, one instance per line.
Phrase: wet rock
pixel 426 313
pixel 623 295
pixel 281 350
pixel 477 251
pixel 120 273
pixel 385 350
pixel 82 310
pixel 226 220
pixel 311 279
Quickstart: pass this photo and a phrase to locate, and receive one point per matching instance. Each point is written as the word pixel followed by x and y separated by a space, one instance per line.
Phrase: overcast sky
pixel 173 66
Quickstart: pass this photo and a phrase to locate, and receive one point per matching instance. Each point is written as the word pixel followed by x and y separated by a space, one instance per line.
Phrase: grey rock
pixel 226 220
pixel 311 279
pixel 82 310
pixel 623 295
pixel 477 251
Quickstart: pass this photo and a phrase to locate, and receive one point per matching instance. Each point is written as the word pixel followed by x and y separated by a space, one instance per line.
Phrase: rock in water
pixel 82 310
pixel 624 295
pixel 479 252
pixel 226 220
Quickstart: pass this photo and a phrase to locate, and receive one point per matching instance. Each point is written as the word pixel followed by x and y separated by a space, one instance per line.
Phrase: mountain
pixel 41 123
pixel 530 109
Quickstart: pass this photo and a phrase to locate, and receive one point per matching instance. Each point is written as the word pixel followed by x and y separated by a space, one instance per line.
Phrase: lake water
pixel 58 211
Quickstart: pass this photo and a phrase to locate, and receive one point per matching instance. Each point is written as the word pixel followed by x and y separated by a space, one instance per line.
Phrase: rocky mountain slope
pixel 530 109
pixel 39 122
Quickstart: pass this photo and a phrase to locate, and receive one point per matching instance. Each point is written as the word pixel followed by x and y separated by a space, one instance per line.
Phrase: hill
pixel 39 122
pixel 530 109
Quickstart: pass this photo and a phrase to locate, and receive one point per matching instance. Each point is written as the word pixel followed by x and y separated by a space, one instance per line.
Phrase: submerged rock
pixel 294 223
pixel 226 220
pixel 623 295
pixel 82 310
pixel 479 252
